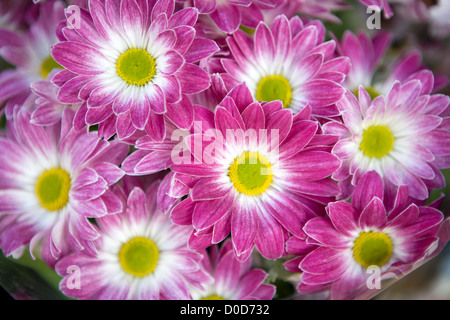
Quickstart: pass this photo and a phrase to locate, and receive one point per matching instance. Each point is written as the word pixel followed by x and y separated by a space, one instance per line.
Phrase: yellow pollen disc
pixel 372 249
pixel 48 65
pixel 251 173
pixel 136 67
pixel 213 297
pixel 52 189
pixel 139 256
pixel 373 93
pixel 377 141
pixel 275 87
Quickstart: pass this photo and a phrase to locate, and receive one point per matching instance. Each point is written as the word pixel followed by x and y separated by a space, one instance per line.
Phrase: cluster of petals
pixel 167 149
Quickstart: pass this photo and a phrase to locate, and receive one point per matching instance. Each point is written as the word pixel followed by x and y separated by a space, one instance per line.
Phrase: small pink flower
pixel 360 235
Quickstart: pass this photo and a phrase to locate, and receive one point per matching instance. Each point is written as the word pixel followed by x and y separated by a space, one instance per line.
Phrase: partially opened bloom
pixel 290 62
pixel 132 62
pixel 233 280
pixel 141 255
pixel 248 181
pixel 362 234
pixel 53 179
pixel 402 135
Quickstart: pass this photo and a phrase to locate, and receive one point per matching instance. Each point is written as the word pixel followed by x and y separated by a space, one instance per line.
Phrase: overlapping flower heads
pixel 191 149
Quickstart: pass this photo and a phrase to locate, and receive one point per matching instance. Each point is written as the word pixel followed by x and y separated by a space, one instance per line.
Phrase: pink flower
pixel 289 62
pixel 253 187
pixel 402 135
pixel 53 179
pixel 140 255
pixel 360 235
pixel 132 64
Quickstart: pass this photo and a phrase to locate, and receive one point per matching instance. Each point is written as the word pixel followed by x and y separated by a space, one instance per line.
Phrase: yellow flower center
pixel 373 93
pixel 372 248
pixel 139 256
pixel 52 189
pixel 48 65
pixel 251 173
pixel 377 141
pixel 136 67
pixel 275 87
pixel 213 297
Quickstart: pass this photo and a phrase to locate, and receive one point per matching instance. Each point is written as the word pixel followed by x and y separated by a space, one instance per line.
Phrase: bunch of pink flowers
pixel 171 149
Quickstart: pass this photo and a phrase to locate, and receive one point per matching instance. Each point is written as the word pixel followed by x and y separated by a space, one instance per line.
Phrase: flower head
pixel 53 179
pixel 246 176
pixel 289 62
pixel 140 255
pixel 402 136
pixel 131 62
pixel 356 236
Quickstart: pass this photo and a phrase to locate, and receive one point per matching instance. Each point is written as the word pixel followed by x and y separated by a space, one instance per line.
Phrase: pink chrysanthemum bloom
pixel 141 255
pixel 289 62
pixel 53 179
pixel 403 136
pixel 233 280
pixel 361 236
pixel 29 52
pixel 132 62
pixel 250 182
pixel 370 68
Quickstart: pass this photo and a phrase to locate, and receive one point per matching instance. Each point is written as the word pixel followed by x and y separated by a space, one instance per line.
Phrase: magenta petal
pixel 324 260
pixel 271 236
pixel 264 43
pixel 78 57
pixel 157 99
pixel 244 226
pixel 156 127
pixel 322 93
pixel 344 217
pixel 181 113
pixel 369 186
pixel 207 213
pixel 227 273
pixel 373 215
pixel 227 17
pixel 140 113
pixel 322 230
pixel 201 48
pixel 192 78
pixel 208 189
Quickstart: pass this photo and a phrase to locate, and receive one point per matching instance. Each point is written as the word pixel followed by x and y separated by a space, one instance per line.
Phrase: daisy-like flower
pixel 289 62
pixel 53 179
pixel 141 255
pixel 233 280
pixel 132 62
pixel 251 184
pixel 362 234
pixel 29 52
pixel 402 135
